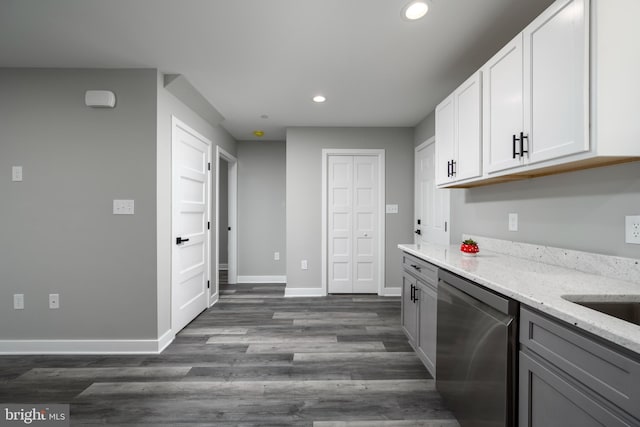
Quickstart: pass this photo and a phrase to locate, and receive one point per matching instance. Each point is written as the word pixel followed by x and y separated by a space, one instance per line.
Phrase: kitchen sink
pixel 627 310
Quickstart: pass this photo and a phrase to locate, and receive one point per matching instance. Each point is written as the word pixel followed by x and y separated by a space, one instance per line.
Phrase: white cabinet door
pixel 503 107
pixel 556 81
pixel 445 140
pixel 468 114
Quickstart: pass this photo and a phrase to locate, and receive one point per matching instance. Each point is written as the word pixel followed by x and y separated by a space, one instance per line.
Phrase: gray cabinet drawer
pixel 421 269
pixel 609 373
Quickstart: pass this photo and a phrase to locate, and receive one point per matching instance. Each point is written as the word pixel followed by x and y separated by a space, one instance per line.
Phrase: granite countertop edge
pixel 541 286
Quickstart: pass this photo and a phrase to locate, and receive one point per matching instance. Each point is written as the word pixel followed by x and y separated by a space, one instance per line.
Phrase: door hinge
pixel 445 226
pixel 209 166
pixel 208 284
pixel 208 225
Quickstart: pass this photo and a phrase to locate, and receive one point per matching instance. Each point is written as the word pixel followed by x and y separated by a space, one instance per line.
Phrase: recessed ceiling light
pixel 319 99
pixel 415 10
pixel 258 133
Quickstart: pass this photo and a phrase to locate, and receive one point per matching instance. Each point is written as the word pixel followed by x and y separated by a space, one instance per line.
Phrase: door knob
pixel 181 240
pixel 418 231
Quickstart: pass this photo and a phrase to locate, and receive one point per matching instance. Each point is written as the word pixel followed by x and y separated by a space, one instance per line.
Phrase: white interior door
pixel 432 204
pixel 352 200
pixel 190 254
pixel 365 220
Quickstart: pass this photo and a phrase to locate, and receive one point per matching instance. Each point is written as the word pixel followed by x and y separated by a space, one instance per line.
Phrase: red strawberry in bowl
pixel 469 247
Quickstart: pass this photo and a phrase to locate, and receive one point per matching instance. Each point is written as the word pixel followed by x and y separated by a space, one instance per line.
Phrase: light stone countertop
pixel 541 286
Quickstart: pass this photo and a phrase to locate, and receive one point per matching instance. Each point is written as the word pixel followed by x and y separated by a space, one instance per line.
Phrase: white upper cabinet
pixel 503 116
pixel 559 97
pixel 556 81
pixel 458 133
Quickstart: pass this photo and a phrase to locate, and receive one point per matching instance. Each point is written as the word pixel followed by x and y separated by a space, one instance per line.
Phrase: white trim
pixel 262 279
pixel 232 203
pixel 224 266
pixel 304 292
pixel 392 292
pixel 214 298
pixel 380 154
pixel 87 346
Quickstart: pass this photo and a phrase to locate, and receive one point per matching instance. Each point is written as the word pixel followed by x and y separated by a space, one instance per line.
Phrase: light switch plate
pixel 304 265
pixel 276 256
pixel 123 207
pixel 18 301
pixel 392 209
pixel 16 173
pixel 513 222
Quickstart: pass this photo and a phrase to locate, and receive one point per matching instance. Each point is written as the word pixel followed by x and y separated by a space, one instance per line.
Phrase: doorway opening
pixel 226 240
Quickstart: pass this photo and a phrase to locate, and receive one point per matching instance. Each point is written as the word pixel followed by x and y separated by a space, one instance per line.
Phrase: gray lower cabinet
pixel 568 378
pixel 419 308
pixel 409 307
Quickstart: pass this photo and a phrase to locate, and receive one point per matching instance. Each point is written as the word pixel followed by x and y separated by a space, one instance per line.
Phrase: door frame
pixel 232 203
pixel 380 154
pixel 175 124
pixel 416 189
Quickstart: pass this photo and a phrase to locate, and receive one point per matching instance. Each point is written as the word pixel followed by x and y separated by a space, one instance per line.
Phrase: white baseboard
pixel 86 346
pixel 391 292
pixel 303 292
pixel 223 266
pixel 262 279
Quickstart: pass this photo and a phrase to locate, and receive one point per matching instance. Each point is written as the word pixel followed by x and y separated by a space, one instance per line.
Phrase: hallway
pixel 254 359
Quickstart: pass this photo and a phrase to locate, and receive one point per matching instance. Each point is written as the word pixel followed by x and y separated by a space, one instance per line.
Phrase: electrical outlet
pixel 304 265
pixel 276 256
pixel 123 207
pixel 16 173
pixel 632 229
pixel 513 222
pixel 54 301
pixel 18 301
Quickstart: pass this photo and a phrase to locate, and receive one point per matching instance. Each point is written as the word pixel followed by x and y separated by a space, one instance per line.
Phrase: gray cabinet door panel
pixel 547 399
pixel 604 370
pixel 409 308
pixel 427 327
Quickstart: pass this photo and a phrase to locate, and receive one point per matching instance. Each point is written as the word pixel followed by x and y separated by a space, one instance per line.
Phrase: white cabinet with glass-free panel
pixel 559 97
pixel 458 134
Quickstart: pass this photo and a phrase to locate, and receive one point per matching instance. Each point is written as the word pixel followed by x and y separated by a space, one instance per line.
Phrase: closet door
pixel 365 223
pixel 353 224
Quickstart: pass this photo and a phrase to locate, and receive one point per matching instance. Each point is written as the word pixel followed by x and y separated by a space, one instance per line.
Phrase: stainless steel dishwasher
pixel 476 353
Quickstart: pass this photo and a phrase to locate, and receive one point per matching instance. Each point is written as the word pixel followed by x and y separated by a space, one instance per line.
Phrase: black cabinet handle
pixel 416 267
pixel 522 138
pixel 448 169
pixel 413 288
pixel 514 145
pixel 181 240
pixel 453 168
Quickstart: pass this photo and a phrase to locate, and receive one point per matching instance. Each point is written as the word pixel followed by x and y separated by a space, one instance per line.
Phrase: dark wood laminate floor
pixel 254 359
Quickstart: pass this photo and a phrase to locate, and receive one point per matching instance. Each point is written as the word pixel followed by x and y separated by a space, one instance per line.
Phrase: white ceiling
pixel 255 57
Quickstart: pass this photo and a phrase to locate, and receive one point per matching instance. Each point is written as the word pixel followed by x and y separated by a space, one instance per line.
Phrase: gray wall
pixel 58 231
pixel 581 210
pixel 261 208
pixel 304 195
pixel 223 218
pixel 425 129
pixel 167 106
